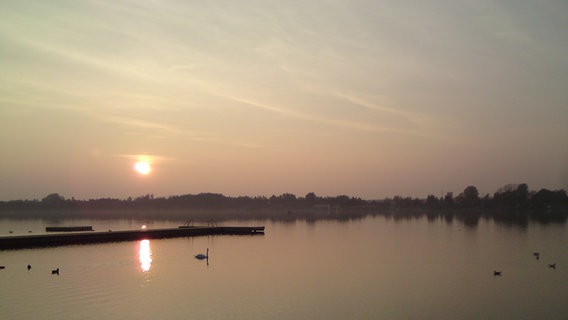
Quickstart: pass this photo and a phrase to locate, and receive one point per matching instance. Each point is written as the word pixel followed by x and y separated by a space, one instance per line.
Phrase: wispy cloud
pixel 322 119
pixel 150 158
pixel 417 118
pixel 158 129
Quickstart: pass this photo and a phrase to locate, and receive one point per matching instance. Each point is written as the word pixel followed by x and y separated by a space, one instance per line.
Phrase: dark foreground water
pixel 374 268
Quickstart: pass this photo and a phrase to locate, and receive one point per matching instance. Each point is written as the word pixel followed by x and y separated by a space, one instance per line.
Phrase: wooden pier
pixel 51 240
pixel 68 229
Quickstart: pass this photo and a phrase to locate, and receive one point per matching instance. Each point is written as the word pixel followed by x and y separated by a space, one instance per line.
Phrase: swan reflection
pixel 145 255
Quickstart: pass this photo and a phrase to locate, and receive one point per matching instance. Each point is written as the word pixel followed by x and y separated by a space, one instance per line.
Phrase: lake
pixel 369 268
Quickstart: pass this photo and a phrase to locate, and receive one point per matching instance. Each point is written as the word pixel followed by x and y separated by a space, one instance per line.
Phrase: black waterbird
pixel 202 256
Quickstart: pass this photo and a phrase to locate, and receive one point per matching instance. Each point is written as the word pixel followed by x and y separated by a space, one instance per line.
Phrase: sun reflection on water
pixel 145 255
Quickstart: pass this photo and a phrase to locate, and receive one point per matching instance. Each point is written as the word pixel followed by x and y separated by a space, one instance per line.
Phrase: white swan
pixel 202 256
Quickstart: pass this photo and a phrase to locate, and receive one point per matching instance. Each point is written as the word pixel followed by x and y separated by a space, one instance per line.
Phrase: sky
pixel 370 99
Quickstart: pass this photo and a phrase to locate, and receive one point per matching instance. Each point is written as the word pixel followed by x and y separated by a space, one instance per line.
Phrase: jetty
pixel 69 229
pixel 73 238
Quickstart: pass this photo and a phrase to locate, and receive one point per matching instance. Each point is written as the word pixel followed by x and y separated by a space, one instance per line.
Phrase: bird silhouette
pixel 202 256
pixel 497 273
pixel 56 271
pixel 552 265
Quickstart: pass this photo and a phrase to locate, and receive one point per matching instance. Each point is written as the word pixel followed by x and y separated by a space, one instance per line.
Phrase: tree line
pixel 196 201
pixel 507 198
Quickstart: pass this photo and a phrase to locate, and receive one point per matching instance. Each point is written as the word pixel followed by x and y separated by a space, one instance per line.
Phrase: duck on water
pixel 201 256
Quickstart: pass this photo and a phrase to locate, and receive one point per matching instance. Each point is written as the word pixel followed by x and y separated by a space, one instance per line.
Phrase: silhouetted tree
pixel 53 200
pixel 469 197
pixel 511 196
pixel 546 198
pixel 522 195
pixel 311 199
pixel 432 201
pixel 449 199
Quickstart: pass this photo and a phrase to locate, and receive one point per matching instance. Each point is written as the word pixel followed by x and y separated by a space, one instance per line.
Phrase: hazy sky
pixel 364 98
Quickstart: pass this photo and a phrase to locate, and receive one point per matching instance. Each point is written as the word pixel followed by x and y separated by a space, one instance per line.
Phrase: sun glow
pixel 142 167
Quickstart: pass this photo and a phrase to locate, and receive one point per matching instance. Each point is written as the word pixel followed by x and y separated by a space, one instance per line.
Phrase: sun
pixel 142 167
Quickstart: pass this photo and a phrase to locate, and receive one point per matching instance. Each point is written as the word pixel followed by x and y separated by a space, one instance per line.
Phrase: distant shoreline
pixel 509 203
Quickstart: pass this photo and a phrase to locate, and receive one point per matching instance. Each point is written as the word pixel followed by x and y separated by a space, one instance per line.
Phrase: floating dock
pixel 68 229
pixel 52 240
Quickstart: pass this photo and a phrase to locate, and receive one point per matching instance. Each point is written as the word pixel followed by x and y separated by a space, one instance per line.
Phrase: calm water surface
pixel 374 268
